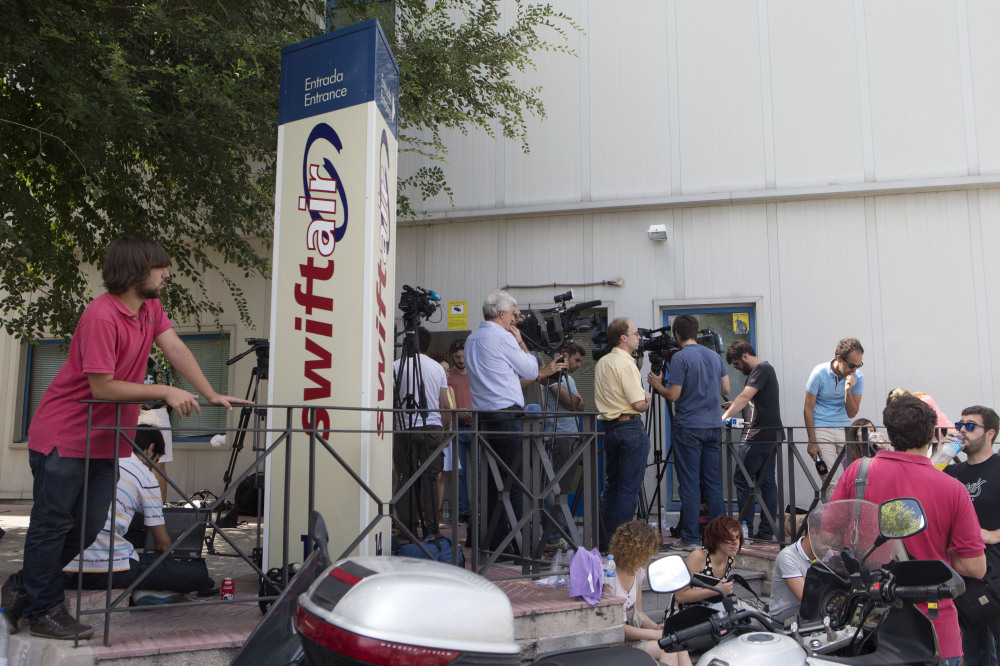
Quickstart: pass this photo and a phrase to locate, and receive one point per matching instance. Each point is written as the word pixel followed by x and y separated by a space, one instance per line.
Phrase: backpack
pixel 439 547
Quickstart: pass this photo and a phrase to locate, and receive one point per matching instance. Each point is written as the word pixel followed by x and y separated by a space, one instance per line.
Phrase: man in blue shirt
pixel 697 379
pixel 561 396
pixel 833 396
pixel 498 359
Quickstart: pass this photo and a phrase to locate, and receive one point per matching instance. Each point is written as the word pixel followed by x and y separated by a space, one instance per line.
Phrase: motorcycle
pixel 400 611
pixel 858 604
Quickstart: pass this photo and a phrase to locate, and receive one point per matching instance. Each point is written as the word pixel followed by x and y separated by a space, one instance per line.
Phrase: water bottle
pixel 663 520
pixel 733 422
pixel 609 576
pixel 445 515
pixel 948 451
pixel 746 531
pixel 563 559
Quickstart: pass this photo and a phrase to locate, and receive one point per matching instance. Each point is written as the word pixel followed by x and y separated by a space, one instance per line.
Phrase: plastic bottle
pixel 563 559
pixel 746 531
pixel 948 451
pixel 609 576
pixel 445 514
pixel 663 520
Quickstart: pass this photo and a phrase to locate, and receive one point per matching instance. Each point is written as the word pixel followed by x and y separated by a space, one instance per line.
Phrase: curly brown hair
pixel 719 530
pixel 633 544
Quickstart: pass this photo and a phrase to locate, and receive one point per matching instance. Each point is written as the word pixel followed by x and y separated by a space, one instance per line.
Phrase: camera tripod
pixel 656 420
pixel 262 347
pixel 410 409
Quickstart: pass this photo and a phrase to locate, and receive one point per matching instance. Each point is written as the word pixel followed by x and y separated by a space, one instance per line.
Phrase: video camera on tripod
pixel 417 302
pixel 657 342
pixel 551 334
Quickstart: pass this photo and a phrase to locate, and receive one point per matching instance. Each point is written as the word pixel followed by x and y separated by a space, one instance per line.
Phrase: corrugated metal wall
pixel 836 164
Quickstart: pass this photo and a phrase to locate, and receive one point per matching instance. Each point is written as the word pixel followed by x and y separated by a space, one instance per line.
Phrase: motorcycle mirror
pixel 897 519
pixel 901 518
pixel 669 574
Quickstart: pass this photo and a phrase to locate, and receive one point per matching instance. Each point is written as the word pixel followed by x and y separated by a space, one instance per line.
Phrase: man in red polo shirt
pixel 952 533
pixel 107 361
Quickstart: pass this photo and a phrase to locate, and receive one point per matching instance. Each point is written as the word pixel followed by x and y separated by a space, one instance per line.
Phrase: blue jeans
pixel 754 456
pixel 53 537
pixel 626 448
pixel 506 442
pixel 170 576
pixel 979 644
pixel 696 454
pixel 464 440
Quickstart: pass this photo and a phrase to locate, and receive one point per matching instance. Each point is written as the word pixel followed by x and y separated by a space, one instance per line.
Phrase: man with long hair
pixel 106 361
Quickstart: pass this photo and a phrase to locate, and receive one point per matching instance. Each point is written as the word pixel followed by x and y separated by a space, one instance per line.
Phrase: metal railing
pixel 532 474
pixel 535 478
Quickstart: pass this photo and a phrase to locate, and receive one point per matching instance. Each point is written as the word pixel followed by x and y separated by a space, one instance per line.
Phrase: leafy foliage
pixel 159 119
pixel 457 61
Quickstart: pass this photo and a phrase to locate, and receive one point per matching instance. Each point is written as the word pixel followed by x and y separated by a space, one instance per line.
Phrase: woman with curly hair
pixel 634 544
pixel 723 540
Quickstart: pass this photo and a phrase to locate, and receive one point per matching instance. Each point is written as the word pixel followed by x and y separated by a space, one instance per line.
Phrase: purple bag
pixel 586 575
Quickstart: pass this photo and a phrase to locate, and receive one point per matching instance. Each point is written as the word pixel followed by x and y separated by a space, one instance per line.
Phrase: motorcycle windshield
pixel 850 524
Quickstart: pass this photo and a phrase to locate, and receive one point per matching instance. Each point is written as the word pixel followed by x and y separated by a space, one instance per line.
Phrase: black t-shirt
pixel 982 481
pixel 764 422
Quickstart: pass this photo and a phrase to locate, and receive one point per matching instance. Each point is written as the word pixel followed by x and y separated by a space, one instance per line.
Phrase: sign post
pixel 332 292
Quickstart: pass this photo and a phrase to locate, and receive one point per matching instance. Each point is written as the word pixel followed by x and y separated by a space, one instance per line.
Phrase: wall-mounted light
pixel 657 232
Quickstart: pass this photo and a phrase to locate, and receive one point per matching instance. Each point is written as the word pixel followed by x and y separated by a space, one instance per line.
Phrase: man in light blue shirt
pixel 499 365
pixel 833 396
pixel 562 397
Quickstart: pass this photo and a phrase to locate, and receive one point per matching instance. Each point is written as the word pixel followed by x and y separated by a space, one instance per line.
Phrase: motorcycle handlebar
pixel 913 594
pixel 718 626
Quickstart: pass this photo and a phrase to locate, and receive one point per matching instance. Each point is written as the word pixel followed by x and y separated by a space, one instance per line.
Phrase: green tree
pixel 160 119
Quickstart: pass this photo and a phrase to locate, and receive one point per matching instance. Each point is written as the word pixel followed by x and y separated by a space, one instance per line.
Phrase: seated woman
pixel 634 544
pixel 723 540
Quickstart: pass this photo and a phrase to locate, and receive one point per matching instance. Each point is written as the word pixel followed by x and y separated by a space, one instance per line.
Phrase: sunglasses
pixel 967 426
pixel 850 365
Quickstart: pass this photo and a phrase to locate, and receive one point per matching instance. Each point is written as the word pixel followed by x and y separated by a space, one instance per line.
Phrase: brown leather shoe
pixel 59 624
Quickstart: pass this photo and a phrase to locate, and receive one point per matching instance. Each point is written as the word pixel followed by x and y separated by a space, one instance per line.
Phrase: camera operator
pixel 498 359
pixel 697 377
pixel 619 394
pixel 424 383
pixel 563 434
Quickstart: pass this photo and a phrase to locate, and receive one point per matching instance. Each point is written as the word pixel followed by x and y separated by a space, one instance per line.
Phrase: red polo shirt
pixel 951 520
pixel 109 339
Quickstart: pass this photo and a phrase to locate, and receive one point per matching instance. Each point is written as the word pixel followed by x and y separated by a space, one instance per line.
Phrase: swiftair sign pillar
pixel 332 288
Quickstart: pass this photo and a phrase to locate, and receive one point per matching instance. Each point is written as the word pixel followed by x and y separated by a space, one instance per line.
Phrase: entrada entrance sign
pixel 331 298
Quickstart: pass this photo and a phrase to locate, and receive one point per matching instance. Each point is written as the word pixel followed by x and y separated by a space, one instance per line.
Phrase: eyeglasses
pixel 967 426
pixel 517 316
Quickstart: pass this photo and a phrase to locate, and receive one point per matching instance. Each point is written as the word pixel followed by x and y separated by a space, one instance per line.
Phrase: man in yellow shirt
pixel 619 394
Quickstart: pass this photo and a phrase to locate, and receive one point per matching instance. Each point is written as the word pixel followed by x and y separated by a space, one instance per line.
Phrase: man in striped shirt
pixel 137 493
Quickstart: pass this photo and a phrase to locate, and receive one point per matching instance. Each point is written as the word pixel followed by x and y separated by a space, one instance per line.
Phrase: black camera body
pixel 552 333
pixel 417 302
pixel 660 347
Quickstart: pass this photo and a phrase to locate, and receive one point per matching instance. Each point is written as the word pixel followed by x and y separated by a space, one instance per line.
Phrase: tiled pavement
pixel 207 634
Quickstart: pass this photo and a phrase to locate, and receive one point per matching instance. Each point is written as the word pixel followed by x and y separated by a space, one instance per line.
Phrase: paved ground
pixel 214 629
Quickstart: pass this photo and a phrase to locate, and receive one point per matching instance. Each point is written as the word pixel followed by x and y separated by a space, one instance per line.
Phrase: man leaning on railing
pixel 106 361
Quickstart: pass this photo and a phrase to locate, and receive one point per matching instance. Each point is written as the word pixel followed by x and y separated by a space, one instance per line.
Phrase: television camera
pixel 659 345
pixel 417 302
pixel 552 333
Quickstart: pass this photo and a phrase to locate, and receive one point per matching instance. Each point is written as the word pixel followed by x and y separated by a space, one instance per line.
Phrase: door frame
pixel 693 305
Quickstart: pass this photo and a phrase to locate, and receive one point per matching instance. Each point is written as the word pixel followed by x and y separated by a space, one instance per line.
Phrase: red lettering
pixel 306 298
pixel 311 374
pixel 322 422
